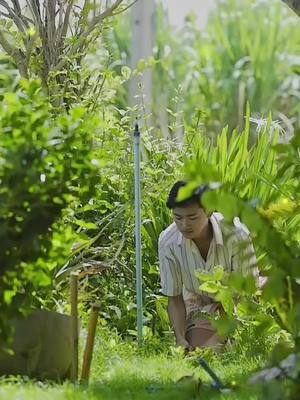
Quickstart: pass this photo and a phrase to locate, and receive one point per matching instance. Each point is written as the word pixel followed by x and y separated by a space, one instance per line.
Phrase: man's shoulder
pixel 240 227
pixel 169 236
pixel 218 217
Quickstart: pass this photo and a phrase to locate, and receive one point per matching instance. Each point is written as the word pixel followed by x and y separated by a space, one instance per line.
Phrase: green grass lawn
pixel 140 377
pixel 121 371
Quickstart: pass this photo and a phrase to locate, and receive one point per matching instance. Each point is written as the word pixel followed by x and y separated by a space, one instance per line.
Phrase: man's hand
pixel 177 315
pixel 182 342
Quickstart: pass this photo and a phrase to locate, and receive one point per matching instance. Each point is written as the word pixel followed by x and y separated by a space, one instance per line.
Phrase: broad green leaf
pixel 9 295
pixel 86 225
pixel 225 325
pixel 218 273
pixel 210 287
pixel 204 276
pixel 225 297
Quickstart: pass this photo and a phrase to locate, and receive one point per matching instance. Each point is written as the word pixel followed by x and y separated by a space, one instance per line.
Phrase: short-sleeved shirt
pixel 179 258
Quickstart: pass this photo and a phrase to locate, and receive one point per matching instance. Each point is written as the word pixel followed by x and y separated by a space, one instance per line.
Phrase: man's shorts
pixel 199 310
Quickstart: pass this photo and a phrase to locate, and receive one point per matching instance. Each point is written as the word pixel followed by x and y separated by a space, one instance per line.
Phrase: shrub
pixel 44 165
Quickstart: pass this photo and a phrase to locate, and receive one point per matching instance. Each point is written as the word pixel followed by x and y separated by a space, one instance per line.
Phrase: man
pixel 197 241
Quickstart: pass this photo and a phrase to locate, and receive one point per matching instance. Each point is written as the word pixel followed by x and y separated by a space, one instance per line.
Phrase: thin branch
pixel 81 40
pixel 60 19
pixel 125 8
pixel 19 22
pixel 36 14
pixel 11 11
pixel 84 17
pixel 29 48
pixel 18 11
pixel 10 50
pixel 51 29
pixel 294 5
pixel 97 94
pixel 34 6
pixel 4 15
pixel 67 18
pixel 4 4
pixel 15 53
pixel 99 18
pixel 17 7
pixel 22 24
pixel 13 16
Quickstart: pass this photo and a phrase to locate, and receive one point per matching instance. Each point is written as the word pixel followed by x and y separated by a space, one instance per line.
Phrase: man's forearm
pixel 177 316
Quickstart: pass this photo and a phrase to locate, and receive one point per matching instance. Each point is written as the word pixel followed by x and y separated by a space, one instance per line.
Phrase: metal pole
pixel 138 252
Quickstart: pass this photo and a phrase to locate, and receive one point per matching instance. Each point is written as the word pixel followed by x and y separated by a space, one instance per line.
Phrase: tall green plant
pixel 261 186
pixel 248 52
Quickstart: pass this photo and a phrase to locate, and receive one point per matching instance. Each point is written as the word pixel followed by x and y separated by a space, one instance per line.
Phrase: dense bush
pixel 45 165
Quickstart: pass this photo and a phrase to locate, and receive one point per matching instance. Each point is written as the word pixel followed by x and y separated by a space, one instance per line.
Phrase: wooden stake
pixel 88 352
pixel 75 330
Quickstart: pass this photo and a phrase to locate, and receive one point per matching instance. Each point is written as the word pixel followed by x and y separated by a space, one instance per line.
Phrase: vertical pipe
pixel 138 253
pixel 89 346
pixel 143 40
pixel 74 322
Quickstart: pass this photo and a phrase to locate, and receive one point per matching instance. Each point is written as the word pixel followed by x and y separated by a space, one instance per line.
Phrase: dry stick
pixel 74 319
pixel 88 352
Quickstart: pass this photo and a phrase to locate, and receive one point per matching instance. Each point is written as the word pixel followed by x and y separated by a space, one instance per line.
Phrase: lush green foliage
pixel 261 185
pixel 108 250
pixel 67 190
pixel 248 52
pixel 52 42
pixel 45 165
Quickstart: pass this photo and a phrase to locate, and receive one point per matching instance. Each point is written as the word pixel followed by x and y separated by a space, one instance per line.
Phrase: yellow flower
pixel 282 207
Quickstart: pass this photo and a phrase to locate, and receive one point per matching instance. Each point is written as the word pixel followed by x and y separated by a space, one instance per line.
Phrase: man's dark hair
pixel 195 198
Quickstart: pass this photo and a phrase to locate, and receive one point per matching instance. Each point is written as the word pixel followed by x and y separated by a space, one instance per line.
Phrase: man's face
pixel 190 220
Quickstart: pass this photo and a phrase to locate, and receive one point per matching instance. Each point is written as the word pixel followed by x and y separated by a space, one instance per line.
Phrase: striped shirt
pixel 179 258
